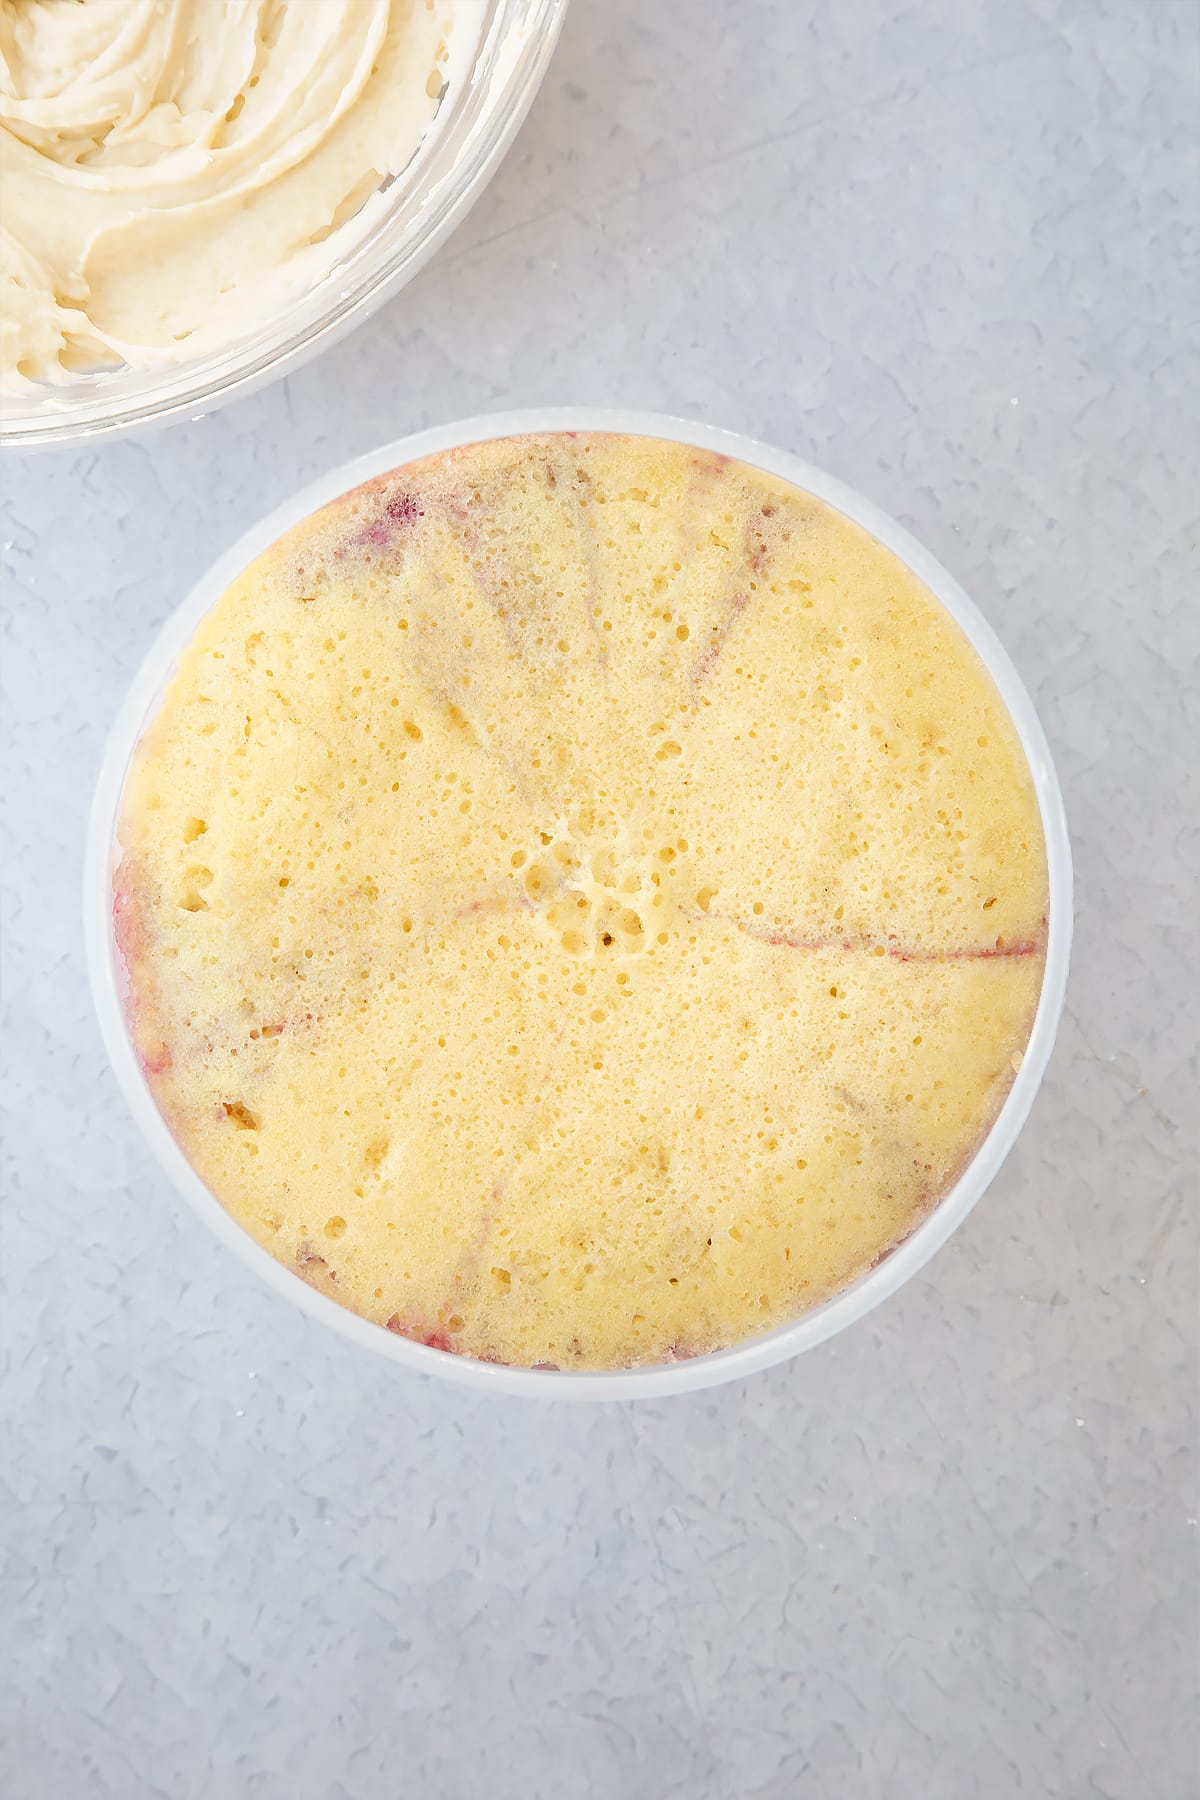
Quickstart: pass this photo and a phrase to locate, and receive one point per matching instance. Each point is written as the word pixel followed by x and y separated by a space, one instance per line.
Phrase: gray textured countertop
pixel 941 250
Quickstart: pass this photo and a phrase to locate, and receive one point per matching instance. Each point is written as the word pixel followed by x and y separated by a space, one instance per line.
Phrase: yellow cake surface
pixel 582 901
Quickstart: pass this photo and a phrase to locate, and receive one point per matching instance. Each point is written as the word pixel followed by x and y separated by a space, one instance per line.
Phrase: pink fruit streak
pixel 907 953
pixel 758 543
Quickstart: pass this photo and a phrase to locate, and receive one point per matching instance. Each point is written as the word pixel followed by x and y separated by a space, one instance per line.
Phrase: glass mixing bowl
pixel 475 124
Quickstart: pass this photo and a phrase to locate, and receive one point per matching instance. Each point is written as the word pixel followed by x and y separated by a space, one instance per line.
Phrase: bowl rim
pixel 268 353
pixel 655 1380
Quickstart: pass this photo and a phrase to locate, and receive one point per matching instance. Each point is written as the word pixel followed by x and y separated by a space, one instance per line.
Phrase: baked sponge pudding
pixel 582 901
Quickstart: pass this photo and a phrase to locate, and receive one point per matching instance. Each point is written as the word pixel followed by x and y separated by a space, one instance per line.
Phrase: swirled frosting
pixel 174 173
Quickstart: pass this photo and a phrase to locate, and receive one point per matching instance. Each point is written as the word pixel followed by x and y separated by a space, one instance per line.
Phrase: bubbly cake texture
pixel 582 901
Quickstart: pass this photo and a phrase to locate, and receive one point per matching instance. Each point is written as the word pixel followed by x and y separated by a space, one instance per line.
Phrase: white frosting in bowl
pixel 175 173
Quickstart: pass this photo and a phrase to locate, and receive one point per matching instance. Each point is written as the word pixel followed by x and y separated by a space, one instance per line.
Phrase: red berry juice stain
pixel 403 509
pixel 433 1339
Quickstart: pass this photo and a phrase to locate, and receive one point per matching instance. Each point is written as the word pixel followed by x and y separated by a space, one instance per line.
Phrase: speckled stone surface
pixel 948 251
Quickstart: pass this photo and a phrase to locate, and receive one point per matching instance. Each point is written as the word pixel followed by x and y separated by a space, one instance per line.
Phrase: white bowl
pixel 809 1328
pixel 476 122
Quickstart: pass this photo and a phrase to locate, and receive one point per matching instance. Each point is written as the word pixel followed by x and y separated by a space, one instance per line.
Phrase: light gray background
pixel 947 249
